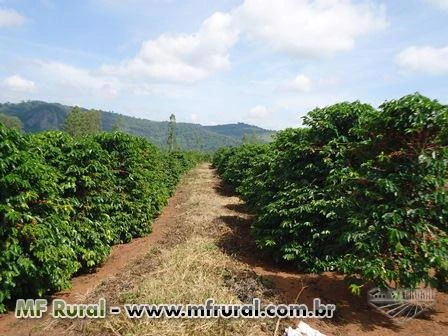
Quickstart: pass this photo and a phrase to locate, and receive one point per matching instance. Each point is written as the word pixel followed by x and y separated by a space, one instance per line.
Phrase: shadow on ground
pixel 225 190
pixel 329 287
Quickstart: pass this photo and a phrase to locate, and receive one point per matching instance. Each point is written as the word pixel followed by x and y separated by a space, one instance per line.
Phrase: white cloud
pixel 183 57
pixel 440 3
pixel 424 59
pixel 304 84
pixel 82 80
pixel 76 82
pixel 19 84
pixel 258 112
pixel 107 90
pixel 193 117
pixel 10 17
pixel 300 83
pixel 309 28
pixel 144 89
pixel 299 27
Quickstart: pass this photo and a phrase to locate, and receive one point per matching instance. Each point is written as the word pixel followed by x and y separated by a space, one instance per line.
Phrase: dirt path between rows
pixel 206 217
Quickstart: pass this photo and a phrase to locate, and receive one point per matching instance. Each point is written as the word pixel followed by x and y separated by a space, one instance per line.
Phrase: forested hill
pixel 39 116
pixel 240 130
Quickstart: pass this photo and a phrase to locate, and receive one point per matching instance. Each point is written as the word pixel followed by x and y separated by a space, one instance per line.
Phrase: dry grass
pixel 191 270
pixel 189 273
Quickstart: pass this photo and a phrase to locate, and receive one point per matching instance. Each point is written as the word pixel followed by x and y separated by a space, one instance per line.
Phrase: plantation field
pixel 203 247
pixel 355 199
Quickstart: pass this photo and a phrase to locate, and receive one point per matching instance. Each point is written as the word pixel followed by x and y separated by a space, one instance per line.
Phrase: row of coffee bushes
pixel 358 190
pixel 65 201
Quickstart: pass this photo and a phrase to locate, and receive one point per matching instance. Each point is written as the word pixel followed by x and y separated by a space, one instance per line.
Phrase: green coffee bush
pixel 36 254
pixel 64 201
pixel 360 191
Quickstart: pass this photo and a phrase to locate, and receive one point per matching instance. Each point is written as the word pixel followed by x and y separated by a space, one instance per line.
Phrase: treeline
pixel 37 116
pixel 358 190
pixel 65 201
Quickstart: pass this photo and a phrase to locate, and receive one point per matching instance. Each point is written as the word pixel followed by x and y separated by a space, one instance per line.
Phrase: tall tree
pixel 11 122
pixel 80 122
pixel 94 118
pixel 172 142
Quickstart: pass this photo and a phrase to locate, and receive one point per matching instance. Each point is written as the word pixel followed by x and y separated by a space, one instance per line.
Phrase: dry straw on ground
pixel 187 267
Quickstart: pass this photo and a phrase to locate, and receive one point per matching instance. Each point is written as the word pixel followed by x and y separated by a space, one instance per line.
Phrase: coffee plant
pixel 35 231
pixel 358 190
pixel 64 201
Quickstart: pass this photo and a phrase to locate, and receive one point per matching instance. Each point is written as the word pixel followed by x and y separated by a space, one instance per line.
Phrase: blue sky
pixel 258 61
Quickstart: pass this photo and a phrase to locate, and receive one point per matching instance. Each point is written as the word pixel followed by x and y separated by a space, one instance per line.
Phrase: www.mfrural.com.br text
pixel 209 309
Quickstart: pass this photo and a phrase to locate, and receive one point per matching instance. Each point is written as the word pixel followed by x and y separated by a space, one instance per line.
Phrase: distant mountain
pixel 38 116
pixel 238 130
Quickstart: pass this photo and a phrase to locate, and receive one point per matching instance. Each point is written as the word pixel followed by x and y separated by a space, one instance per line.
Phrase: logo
pixel 402 305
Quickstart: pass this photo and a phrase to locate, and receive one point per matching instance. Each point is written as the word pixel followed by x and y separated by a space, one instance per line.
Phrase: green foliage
pixel 221 157
pixel 359 191
pixel 87 183
pixel 238 167
pixel 140 183
pixel 11 122
pixel 81 123
pixel 64 201
pixel 38 116
pixel 35 232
